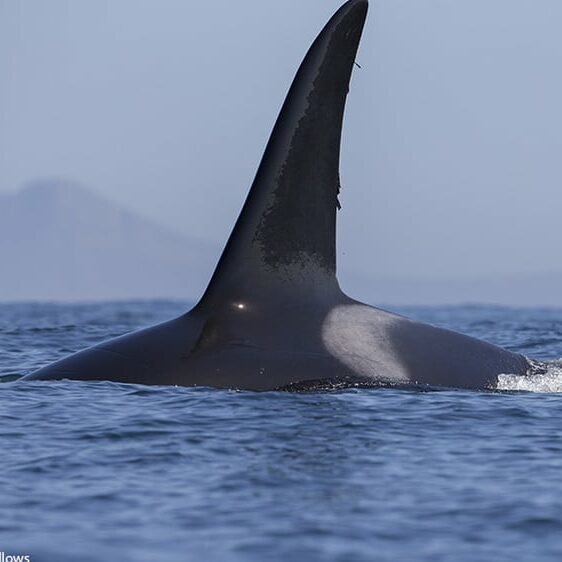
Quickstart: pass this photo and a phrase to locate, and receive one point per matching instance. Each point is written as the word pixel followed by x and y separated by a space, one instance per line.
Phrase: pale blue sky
pixel 451 160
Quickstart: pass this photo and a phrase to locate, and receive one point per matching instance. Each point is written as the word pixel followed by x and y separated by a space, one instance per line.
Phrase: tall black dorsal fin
pixel 286 232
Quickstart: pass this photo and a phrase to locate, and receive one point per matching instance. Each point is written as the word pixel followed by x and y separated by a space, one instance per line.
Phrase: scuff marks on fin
pixel 299 221
pixel 286 232
pixel 338 191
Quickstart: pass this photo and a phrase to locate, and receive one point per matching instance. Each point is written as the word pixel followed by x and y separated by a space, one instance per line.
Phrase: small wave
pixel 544 377
pixel 10 378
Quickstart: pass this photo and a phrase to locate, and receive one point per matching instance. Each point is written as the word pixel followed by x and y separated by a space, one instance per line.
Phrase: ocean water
pixel 106 471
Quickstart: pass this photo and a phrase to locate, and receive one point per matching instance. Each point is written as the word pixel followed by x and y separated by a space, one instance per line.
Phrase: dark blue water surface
pixel 106 471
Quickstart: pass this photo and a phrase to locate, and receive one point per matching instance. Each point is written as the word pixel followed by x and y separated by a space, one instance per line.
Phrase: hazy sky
pixel 451 163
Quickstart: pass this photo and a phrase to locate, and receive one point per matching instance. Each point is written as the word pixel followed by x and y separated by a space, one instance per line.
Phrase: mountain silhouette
pixel 61 241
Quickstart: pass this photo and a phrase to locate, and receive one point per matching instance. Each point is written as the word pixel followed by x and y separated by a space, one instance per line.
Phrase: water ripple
pixel 99 470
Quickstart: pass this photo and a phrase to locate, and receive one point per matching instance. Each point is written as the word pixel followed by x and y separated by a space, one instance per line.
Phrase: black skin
pixel 273 315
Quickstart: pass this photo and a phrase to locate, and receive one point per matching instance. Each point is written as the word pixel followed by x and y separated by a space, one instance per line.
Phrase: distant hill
pixel 60 241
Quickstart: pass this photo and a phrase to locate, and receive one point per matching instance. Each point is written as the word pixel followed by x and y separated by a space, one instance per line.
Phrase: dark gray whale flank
pixel 273 315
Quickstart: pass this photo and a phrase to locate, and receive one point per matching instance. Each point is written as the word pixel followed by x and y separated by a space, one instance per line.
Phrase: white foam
pixel 549 381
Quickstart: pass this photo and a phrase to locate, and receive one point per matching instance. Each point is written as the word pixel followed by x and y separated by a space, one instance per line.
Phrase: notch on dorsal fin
pixel 286 232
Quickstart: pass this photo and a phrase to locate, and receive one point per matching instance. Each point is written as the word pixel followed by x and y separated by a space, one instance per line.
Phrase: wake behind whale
pixel 543 377
pixel 273 315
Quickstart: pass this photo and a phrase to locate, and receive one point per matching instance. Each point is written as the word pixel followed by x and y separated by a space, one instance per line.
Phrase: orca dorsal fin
pixel 286 232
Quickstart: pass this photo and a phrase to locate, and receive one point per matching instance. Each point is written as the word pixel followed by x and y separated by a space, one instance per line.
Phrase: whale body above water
pixel 273 315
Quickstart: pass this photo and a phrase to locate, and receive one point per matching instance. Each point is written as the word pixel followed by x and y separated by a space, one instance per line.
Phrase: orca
pixel 273 315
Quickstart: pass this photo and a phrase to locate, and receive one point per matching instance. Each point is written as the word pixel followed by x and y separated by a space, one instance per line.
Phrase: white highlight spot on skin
pixel 357 335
